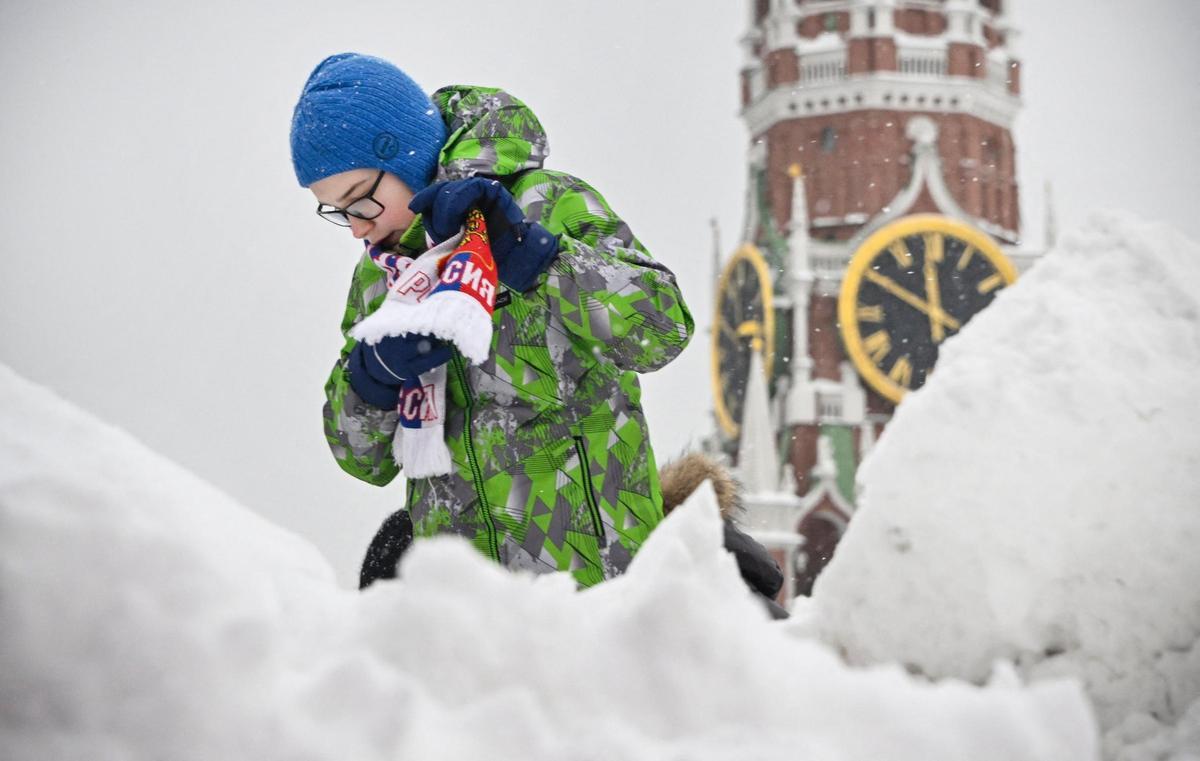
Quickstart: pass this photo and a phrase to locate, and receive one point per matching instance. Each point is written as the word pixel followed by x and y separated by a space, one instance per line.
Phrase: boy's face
pixel 392 194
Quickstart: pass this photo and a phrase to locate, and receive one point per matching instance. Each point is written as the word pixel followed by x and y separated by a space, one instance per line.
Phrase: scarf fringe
pixel 450 315
pixel 422 451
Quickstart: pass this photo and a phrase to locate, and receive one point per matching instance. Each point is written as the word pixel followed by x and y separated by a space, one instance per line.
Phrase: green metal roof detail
pixel 842 438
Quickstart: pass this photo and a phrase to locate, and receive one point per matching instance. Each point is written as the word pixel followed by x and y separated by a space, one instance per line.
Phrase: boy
pixel 551 462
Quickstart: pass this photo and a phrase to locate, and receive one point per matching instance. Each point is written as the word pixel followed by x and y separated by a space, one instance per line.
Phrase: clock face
pixel 911 285
pixel 744 323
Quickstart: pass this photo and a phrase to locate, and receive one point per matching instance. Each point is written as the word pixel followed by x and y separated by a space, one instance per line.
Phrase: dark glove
pixel 377 372
pixel 388 546
pixel 522 250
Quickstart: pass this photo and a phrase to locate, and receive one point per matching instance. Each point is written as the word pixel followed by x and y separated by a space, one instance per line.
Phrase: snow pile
pixel 147 616
pixel 1039 499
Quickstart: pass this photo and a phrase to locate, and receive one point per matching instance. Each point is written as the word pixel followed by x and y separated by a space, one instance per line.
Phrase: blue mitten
pixel 523 250
pixel 377 372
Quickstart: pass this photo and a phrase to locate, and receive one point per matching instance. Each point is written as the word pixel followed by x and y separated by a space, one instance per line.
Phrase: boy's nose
pixel 360 227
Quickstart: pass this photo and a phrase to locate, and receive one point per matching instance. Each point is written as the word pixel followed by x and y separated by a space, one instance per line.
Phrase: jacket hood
pixel 489 132
pixel 683 476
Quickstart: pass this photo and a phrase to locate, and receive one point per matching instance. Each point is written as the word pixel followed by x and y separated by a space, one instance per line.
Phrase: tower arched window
pixel 828 140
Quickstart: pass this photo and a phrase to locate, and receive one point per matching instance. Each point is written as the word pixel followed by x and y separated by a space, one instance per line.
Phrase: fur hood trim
pixel 683 476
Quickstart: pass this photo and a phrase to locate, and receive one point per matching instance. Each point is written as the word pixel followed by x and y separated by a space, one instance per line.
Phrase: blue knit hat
pixel 360 111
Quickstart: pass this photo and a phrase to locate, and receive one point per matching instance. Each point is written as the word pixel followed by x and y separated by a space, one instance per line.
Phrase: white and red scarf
pixel 448 292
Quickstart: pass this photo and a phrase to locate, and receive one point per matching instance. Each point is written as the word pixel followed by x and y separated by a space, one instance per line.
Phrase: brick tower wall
pixel 855 163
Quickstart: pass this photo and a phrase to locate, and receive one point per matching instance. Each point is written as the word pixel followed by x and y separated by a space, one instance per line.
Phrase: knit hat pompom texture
pixel 360 111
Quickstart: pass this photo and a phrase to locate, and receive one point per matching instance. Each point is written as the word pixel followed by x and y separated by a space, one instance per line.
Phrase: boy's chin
pixel 388 241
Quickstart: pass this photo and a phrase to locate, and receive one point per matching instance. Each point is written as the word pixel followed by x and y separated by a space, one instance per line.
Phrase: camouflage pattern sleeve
pixel 566 205
pixel 612 296
pixel 359 435
pixel 620 303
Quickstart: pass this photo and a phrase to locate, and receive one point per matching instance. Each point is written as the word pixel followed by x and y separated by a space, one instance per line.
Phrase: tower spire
pixel 801 399
pixel 758 457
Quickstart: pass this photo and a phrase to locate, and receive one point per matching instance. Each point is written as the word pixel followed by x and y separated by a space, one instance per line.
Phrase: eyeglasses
pixel 363 207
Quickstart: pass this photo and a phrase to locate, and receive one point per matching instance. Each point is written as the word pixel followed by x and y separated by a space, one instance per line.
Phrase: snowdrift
pixel 147 616
pixel 1039 499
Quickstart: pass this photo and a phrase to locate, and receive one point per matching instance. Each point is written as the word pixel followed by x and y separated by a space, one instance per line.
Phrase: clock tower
pixel 882 214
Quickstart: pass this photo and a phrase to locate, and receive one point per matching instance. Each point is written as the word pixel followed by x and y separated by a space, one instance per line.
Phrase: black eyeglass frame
pixel 340 216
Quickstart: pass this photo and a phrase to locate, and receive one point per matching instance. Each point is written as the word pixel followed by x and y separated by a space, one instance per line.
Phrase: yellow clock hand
pixel 749 328
pixel 914 301
pixel 933 291
pixel 755 332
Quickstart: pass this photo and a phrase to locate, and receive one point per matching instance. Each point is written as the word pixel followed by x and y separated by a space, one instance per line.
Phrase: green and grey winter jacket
pixel 553 469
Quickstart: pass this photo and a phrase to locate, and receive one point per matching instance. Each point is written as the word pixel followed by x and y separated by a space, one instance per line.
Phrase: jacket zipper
pixel 485 510
pixel 588 494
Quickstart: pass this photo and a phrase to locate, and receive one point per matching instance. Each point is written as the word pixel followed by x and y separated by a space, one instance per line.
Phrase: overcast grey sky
pixel 161 268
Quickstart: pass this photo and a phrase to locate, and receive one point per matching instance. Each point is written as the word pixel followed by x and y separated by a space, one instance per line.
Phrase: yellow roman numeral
pixel 900 252
pixel 991 283
pixel 878 344
pixel 870 313
pixel 965 259
pixel 901 372
pixel 934 247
